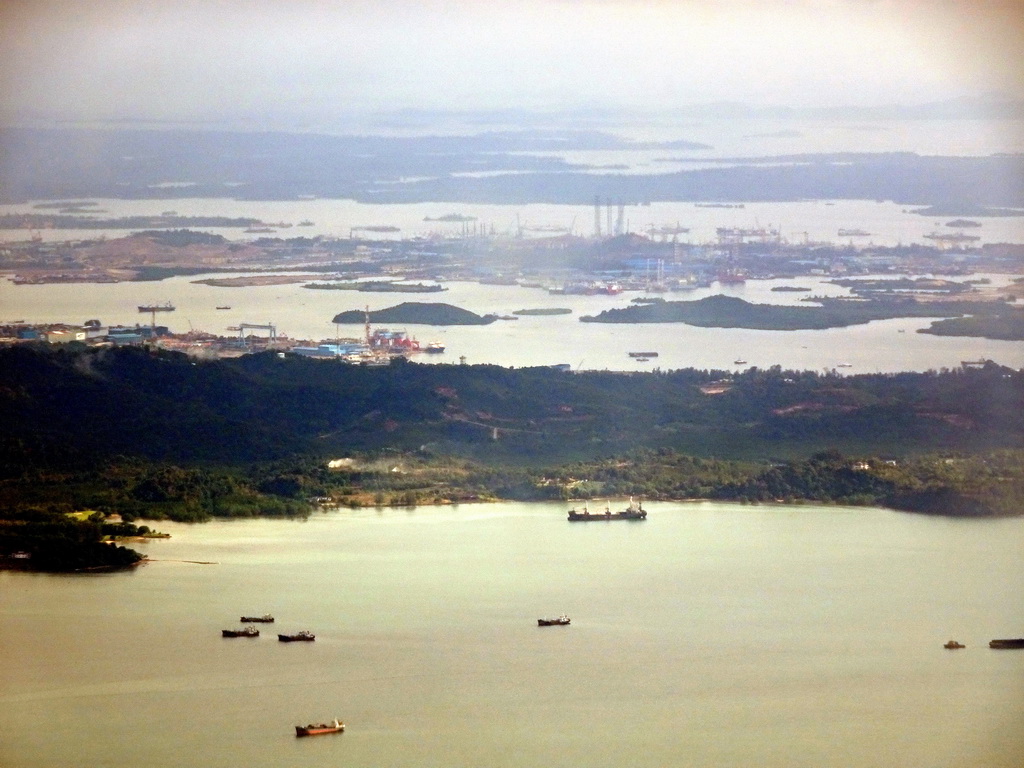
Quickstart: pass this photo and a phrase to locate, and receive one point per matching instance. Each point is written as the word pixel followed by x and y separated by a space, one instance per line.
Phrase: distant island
pixel 377 286
pixel 1006 326
pixel 731 312
pixel 967 209
pixel 68 221
pixel 543 311
pixel 456 218
pixel 415 313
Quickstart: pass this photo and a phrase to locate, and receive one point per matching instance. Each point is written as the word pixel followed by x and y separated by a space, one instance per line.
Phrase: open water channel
pixel 707 635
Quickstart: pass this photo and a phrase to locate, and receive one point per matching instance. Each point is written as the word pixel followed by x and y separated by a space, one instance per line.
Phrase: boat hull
pixel 577 517
pixel 553 622
pixel 318 730
pixel 1016 642
pixel 239 633
pixel 296 638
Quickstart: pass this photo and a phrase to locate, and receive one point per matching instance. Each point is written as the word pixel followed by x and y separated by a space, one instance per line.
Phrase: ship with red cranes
pixel 382 342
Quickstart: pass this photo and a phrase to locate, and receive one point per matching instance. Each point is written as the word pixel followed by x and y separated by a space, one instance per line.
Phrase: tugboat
pixel 303 636
pixel 561 621
pixel 266 618
pixel 633 512
pixel 316 730
pixel 952 645
pixel 247 632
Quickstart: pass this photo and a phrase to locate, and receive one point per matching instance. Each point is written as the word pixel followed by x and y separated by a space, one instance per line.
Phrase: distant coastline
pixel 514 167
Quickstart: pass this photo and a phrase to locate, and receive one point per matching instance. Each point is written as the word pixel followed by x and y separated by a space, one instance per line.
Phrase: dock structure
pixel 241 328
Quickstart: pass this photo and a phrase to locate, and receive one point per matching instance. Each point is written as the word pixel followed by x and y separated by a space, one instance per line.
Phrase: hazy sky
pixel 176 59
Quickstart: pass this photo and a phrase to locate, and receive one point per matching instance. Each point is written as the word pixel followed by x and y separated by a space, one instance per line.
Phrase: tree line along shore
pixel 146 434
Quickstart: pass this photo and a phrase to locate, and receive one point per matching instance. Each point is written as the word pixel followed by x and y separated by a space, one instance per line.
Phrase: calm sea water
pixel 708 635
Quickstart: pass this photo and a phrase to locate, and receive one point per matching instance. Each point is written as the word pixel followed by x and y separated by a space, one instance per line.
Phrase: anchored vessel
pixel 559 622
pixel 1016 642
pixel 953 645
pixel 315 730
pixel 634 511
pixel 168 307
pixel 304 635
pixel 266 618
pixel 247 632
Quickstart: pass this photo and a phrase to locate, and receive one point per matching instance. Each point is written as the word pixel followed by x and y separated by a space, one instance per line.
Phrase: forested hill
pixel 74 405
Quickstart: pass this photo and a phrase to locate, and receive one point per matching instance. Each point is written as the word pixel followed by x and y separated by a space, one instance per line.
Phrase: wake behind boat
pixel 634 511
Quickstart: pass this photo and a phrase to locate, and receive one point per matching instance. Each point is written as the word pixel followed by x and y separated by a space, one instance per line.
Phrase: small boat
pixel 303 636
pixel 739 362
pixel 247 632
pixel 316 730
pixel 643 354
pixel 1016 642
pixel 266 618
pixel 844 365
pixel 434 348
pixel 953 645
pixel 561 621
pixel 223 307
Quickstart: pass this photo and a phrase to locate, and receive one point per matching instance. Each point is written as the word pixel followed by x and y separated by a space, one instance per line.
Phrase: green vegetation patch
pixel 416 313
pixel 731 312
pixel 1008 326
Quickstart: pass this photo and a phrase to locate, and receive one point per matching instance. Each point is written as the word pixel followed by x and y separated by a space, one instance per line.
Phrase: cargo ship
pixel 561 621
pixel 1016 642
pixel 247 632
pixel 266 618
pixel 303 636
pixel 633 512
pixel 316 730
pixel 168 307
